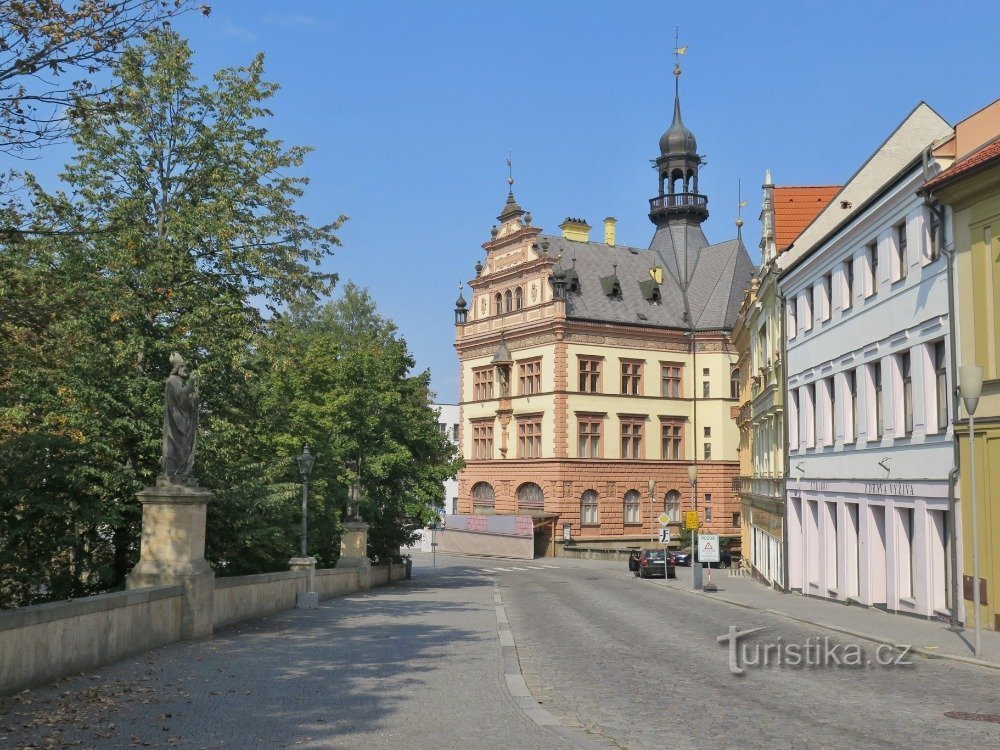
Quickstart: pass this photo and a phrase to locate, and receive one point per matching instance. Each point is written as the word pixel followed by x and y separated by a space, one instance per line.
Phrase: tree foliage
pixel 50 53
pixel 196 204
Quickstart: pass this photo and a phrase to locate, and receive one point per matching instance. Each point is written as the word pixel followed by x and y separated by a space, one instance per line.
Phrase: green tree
pixel 179 221
pixel 342 382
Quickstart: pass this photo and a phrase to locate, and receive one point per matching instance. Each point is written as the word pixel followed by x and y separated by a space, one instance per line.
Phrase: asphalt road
pixel 638 663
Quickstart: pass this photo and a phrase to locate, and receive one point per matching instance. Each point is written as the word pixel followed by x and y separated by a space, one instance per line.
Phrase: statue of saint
pixel 180 424
pixel 353 502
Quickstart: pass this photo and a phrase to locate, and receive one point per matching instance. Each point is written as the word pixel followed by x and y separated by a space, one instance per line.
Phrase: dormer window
pixel 612 286
pixel 650 291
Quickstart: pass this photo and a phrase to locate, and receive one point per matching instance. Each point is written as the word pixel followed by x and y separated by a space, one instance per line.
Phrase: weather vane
pixel 739 207
pixel 678 51
pixel 510 171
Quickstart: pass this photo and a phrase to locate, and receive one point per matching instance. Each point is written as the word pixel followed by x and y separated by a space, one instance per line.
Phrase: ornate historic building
pixel 593 375
pixel 759 338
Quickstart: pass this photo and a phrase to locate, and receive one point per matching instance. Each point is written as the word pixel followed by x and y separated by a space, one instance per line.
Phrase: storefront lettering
pixel 889 488
pixel 818 486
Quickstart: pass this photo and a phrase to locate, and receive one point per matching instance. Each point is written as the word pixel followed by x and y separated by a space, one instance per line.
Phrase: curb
pixel 853 633
pixel 518 690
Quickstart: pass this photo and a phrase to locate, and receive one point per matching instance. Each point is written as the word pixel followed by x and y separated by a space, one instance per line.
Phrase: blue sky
pixel 412 109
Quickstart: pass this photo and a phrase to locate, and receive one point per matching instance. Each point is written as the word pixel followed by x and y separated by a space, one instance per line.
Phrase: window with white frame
pixel 905 392
pixel 793 420
pixel 588 508
pixel 831 546
pixel 872 263
pixel 672 505
pixel 631 506
pixel 811 415
pixel 934 234
pixel 792 317
pixel 826 296
pixel 847 274
pixel 829 411
pixel 807 310
pixel 905 561
pixel 900 263
pixel 851 420
pixel 878 412
pixel 940 364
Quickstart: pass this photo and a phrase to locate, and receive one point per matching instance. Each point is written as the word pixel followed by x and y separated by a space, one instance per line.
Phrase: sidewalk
pixel 928 638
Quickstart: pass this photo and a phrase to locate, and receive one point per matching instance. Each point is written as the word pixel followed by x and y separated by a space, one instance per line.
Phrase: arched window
pixel 508 299
pixel 588 508
pixel 518 299
pixel 734 383
pixel 672 505
pixel 632 501
pixel 676 177
pixel 483 499
pixel 499 299
pixel 530 495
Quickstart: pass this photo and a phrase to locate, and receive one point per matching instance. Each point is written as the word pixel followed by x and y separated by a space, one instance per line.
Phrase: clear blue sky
pixel 412 107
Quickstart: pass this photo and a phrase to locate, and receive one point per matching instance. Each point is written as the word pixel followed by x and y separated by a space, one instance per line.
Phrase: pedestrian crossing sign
pixel 691 520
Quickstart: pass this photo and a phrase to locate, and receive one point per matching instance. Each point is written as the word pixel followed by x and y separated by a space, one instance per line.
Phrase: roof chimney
pixel 609 231
pixel 577 230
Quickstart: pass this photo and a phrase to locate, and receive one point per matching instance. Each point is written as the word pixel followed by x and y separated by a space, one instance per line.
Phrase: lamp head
pixel 970 385
pixel 693 474
pixel 306 461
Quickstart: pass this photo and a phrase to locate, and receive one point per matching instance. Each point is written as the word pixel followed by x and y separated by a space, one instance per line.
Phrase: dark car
pixel 683 558
pixel 656 562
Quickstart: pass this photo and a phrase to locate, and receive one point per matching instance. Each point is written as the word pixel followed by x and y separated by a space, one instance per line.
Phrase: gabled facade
pixel 968 196
pixel 759 336
pixel 594 374
pixel 868 383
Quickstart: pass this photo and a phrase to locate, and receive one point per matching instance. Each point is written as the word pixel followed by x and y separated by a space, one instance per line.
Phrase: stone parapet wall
pixel 245 597
pixel 49 641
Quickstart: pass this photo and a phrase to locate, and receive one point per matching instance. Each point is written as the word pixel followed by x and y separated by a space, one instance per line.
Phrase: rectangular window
pixel 588 508
pixel 482 440
pixel 907 377
pixel 590 375
pixel 632 436
pixel 708 432
pixel 941 384
pixel 826 295
pixel 813 416
pixel 934 236
pixel 830 413
pixel 530 377
pixel 705 390
pixel 851 415
pixel 792 318
pixel 670 380
pixel 906 556
pixel 632 501
pixel 793 420
pixel 529 437
pixel 631 377
pixel 671 439
pixel 848 273
pixel 708 451
pixel 878 405
pixel 590 436
pixel 872 268
pixel 901 264
pixel 482 384
pixel 454 433
pixel 708 515
pixel 807 311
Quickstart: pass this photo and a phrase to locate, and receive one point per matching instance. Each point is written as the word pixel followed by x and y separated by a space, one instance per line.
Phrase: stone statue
pixel 353 503
pixel 504 374
pixel 180 424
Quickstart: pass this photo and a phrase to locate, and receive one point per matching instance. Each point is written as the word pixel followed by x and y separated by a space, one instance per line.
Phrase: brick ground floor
pixel 565 488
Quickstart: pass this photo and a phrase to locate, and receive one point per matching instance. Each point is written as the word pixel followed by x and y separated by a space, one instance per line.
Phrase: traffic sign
pixel 665 535
pixel 708 548
pixel 691 520
pixel 663 518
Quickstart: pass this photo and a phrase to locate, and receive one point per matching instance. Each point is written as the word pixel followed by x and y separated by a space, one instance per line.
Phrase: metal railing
pixel 674 200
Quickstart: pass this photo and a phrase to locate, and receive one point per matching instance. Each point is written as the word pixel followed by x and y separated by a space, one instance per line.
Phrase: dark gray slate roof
pixel 720 275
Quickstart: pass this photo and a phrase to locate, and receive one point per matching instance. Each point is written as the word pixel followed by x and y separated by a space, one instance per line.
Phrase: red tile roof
pixel 982 155
pixel 795 208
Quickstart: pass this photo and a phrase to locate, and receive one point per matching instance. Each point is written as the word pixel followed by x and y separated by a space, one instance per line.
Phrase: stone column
pixel 173 551
pixel 307 599
pixel 354 552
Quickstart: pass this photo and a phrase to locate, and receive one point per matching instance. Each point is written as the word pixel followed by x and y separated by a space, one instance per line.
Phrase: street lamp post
pixel 970 379
pixel 695 569
pixel 306 461
pixel 651 485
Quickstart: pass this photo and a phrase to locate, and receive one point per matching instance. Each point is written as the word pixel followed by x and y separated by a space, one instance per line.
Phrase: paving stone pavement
pixel 415 665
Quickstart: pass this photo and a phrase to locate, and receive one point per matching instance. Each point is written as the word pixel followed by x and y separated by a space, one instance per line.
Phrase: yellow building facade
pixel 970 189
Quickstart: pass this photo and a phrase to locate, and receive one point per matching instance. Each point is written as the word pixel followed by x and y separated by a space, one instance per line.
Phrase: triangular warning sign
pixel 708 546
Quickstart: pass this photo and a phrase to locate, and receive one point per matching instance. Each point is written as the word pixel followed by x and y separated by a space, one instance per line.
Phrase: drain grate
pixel 966 716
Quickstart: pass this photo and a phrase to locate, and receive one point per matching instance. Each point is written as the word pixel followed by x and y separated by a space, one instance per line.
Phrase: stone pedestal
pixel 308 599
pixel 354 552
pixel 173 551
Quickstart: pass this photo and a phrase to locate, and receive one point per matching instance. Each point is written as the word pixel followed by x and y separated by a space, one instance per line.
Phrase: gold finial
pixel 510 171
pixel 678 51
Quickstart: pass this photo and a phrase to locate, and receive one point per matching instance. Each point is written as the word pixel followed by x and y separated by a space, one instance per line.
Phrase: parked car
pixel 633 560
pixel 656 562
pixel 683 558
